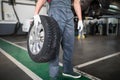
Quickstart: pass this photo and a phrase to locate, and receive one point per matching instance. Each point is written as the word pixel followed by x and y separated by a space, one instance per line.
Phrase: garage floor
pixel 9 71
pixel 96 57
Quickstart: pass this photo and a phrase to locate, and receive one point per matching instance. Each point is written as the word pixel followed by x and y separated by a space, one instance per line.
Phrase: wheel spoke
pixel 36 39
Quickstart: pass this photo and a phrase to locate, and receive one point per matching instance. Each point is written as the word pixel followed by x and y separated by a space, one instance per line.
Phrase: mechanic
pixel 61 11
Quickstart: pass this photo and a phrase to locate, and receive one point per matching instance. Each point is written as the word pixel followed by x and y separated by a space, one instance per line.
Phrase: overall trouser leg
pixel 68 46
pixel 54 64
pixel 67 40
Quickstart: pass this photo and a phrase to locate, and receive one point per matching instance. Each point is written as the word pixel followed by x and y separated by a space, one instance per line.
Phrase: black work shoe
pixel 72 75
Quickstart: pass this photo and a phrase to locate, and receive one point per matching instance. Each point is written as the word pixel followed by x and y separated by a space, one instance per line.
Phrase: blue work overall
pixel 60 10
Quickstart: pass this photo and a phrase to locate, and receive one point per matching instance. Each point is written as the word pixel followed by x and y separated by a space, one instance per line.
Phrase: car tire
pixel 43 40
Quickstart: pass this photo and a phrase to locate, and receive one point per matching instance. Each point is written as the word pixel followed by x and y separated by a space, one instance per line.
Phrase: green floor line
pixel 41 69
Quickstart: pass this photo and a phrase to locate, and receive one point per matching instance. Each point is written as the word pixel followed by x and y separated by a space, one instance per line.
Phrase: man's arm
pixel 78 11
pixel 38 7
pixel 77 7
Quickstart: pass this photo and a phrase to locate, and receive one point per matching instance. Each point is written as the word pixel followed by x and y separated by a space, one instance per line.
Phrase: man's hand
pixel 80 25
pixel 37 20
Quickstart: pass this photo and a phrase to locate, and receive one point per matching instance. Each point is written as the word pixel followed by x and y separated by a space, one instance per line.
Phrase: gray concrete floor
pixel 91 48
pixel 106 70
pixel 9 71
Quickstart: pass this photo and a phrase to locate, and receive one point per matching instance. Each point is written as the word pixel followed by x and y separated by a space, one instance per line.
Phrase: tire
pixel 43 41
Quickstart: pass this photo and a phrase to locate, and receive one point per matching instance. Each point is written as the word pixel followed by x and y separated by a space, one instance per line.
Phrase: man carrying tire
pixel 61 11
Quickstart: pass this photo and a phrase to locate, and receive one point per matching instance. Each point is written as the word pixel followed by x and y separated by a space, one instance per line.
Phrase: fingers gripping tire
pixel 43 40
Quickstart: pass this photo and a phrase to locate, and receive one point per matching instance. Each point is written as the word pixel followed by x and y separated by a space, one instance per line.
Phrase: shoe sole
pixel 67 75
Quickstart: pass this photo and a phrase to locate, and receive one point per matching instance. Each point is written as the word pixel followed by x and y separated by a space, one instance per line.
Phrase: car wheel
pixel 43 40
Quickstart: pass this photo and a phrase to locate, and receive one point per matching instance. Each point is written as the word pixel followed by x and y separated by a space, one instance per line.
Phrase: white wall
pixel 23 11
pixel 113 20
